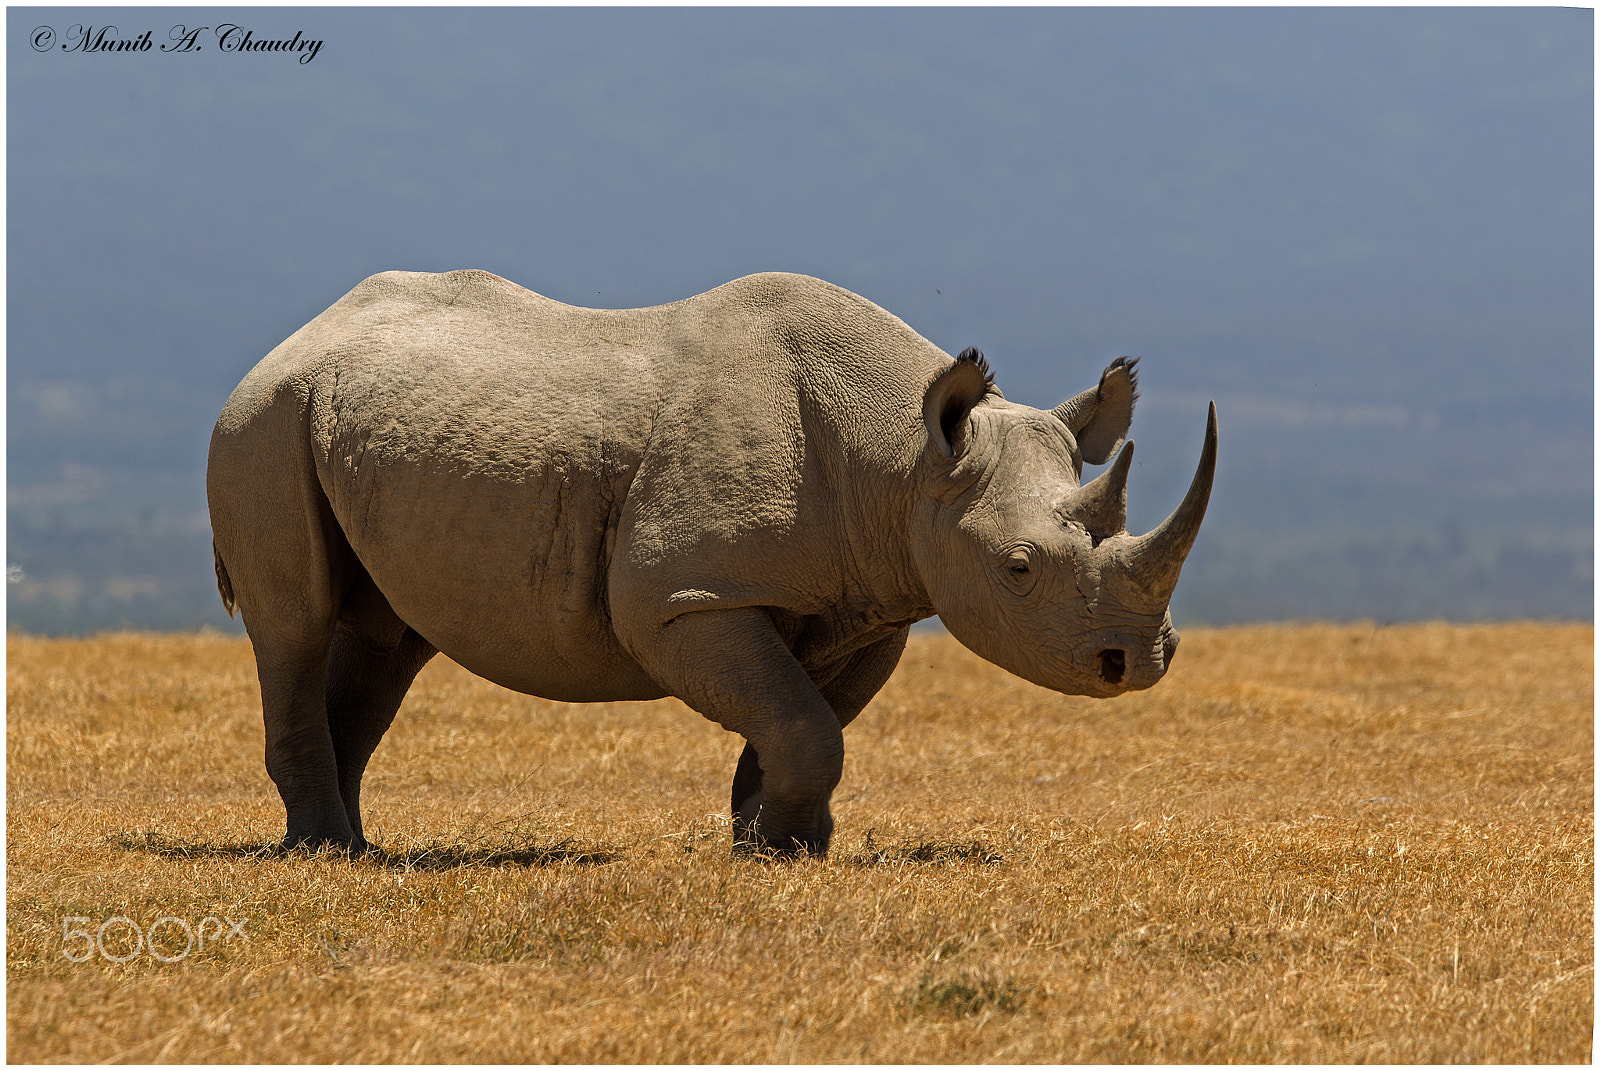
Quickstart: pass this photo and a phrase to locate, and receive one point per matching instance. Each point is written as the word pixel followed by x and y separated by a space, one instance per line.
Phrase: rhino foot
pixel 311 842
pixel 749 843
pixel 763 830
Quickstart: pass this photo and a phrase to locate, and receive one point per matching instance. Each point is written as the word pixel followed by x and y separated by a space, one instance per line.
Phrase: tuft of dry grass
pixel 1310 843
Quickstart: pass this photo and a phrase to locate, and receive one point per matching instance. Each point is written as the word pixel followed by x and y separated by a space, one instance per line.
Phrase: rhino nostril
pixel 1113 664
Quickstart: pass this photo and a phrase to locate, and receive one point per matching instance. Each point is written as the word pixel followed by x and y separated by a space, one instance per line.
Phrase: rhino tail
pixel 224 582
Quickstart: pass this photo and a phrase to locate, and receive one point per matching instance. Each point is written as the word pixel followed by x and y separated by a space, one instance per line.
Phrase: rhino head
pixel 1031 568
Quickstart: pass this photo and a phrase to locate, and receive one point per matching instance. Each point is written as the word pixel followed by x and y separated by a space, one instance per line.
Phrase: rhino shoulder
pixel 785 297
pixel 820 326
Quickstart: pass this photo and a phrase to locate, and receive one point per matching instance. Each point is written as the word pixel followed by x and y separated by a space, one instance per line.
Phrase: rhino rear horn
pixel 1155 558
pixel 1101 505
pixel 1099 417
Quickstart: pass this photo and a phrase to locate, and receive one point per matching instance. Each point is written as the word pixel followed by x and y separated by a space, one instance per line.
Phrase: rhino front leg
pixel 848 687
pixel 733 667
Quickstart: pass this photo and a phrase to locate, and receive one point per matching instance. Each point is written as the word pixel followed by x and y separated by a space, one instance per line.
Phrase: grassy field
pixel 1327 844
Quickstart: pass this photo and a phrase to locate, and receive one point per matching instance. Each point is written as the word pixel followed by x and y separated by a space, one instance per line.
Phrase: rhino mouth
pixel 1113 664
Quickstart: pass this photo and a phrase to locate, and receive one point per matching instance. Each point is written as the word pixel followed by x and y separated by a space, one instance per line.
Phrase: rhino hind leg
pixel 372 659
pixel 298 584
pixel 366 682
pixel 330 690
pixel 300 754
pixel 848 687
pixel 288 580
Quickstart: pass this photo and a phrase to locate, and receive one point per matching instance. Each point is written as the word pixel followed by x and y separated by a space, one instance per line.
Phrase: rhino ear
pixel 1099 417
pixel 951 397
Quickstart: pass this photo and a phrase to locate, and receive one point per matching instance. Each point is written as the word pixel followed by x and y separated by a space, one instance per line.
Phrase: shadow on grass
pixel 420 856
pixel 973 851
pixel 514 851
pixel 524 854
pixel 967 996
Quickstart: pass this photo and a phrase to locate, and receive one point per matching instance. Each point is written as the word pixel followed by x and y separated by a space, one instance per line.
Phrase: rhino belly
pixel 505 574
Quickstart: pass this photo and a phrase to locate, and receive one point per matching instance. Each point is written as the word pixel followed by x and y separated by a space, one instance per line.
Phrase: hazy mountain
pixel 1367 233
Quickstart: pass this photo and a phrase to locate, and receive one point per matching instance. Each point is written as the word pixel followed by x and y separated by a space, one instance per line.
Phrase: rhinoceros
pixel 743 499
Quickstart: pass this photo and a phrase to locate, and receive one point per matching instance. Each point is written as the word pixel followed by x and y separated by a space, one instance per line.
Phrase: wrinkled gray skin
pixel 743 499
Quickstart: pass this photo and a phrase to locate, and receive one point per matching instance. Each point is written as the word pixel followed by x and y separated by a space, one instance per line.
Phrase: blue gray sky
pixel 1366 232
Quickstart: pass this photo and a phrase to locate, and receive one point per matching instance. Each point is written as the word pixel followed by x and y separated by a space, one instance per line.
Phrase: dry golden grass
pixel 1325 844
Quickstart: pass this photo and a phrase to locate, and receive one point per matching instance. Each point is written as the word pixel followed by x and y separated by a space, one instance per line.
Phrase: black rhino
pixel 743 499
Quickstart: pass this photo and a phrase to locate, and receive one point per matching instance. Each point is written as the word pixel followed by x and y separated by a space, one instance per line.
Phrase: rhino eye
pixel 1019 571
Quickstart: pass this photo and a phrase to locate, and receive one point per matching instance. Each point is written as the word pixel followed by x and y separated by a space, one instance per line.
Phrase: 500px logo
pixel 127 940
pixel 231 37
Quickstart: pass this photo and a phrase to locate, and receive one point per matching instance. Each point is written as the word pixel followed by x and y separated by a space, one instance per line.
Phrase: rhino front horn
pixel 1154 560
